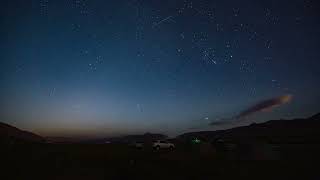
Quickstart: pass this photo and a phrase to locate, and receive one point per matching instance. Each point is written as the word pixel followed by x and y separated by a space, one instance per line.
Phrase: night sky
pixel 100 68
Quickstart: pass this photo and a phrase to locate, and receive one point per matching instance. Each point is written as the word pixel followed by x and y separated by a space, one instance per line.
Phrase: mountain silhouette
pixel 9 133
pixel 302 129
pixel 147 137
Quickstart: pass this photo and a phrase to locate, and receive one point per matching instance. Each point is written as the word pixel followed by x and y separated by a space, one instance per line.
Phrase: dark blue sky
pixel 96 68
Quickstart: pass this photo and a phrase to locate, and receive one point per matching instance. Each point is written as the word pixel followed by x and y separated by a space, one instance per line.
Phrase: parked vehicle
pixel 138 145
pixel 162 144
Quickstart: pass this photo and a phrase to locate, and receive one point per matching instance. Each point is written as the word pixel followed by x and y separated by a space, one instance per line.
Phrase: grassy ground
pixel 83 161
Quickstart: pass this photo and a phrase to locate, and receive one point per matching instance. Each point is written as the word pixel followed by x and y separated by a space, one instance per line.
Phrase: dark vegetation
pixel 272 150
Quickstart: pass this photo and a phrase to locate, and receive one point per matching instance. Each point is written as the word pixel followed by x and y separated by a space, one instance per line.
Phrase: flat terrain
pixel 116 161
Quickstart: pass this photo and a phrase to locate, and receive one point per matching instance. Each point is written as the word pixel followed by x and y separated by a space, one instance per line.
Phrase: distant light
pixel 196 141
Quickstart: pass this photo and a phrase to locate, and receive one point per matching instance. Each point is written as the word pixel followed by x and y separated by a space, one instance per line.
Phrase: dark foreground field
pixel 111 161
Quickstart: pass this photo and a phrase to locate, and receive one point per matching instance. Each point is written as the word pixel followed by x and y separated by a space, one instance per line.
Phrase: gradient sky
pixel 98 68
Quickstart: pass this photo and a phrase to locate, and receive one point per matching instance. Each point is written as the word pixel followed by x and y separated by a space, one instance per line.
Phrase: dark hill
pixel 11 133
pixel 147 137
pixel 305 130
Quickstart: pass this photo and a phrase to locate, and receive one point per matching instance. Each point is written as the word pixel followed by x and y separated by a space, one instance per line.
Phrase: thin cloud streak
pixel 262 106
